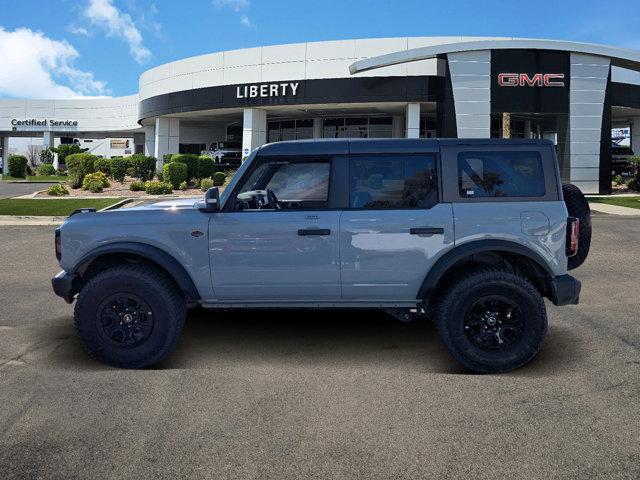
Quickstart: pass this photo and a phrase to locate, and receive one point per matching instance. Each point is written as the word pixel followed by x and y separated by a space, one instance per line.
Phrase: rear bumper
pixel 65 285
pixel 565 290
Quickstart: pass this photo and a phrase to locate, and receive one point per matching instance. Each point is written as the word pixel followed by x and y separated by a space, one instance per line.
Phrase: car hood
pixel 172 204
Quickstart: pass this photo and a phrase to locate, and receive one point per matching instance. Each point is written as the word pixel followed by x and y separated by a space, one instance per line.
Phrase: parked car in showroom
pixel 228 152
pixel 471 233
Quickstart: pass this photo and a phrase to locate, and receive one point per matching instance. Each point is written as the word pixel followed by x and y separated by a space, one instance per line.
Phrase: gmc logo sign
pixel 537 80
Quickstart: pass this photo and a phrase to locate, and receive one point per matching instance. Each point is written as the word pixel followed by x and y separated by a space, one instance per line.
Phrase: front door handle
pixel 314 231
pixel 426 231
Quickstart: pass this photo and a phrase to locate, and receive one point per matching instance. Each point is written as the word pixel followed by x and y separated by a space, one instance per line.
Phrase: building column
pixel 254 130
pixel 5 155
pixel 587 89
pixel 413 120
pixel 635 135
pixel 397 126
pixel 166 138
pixel 317 127
pixel 150 141
pixel 471 85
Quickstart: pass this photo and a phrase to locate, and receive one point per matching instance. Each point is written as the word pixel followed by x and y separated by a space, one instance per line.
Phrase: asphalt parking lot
pixel 13 189
pixel 321 395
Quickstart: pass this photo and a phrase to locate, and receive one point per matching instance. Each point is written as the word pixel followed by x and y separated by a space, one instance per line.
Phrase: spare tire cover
pixel 578 207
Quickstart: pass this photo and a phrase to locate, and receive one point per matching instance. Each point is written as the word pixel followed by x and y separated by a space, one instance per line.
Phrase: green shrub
pixel 98 177
pixel 205 166
pixel 191 161
pixel 137 186
pixel 78 166
pixel 118 168
pixel 206 184
pixel 46 169
pixel 633 184
pixel 57 190
pixel 166 158
pixel 160 175
pixel 158 188
pixel 17 166
pixel 618 180
pixel 175 173
pixel 143 167
pixel 103 165
pixel 219 178
pixel 183 186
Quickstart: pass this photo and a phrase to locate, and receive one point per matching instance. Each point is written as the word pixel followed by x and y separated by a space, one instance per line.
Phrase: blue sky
pixel 66 48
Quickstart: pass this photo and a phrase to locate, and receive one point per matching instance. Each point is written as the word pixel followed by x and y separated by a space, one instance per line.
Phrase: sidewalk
pixel 614 209
pixel 15 220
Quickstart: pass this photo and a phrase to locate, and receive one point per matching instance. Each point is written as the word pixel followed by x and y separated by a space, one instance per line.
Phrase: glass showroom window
pixel 281 130
pixel 357 127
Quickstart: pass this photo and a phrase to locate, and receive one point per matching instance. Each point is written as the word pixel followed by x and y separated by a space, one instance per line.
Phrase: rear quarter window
pixel 500 174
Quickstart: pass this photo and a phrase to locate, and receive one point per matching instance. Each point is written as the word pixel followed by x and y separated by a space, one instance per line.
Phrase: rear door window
pixel 393 182
pixel 500 174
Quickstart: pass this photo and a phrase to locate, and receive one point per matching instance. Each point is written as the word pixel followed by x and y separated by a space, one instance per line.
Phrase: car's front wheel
pixel 492 321
pixel 130 316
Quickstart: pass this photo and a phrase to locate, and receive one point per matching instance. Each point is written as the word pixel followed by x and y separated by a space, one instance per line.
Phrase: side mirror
pixel 212 200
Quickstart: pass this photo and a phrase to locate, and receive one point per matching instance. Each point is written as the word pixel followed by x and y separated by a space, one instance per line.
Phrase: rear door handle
pixel 314 231
pixel 426 231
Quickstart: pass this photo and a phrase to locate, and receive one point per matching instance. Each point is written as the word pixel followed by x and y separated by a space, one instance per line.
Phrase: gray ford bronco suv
pixel 470 233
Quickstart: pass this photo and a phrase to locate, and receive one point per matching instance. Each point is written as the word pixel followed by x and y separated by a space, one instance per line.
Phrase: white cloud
pixel 35 66
pixel 235 5
pixel 103 14
pixel 78 31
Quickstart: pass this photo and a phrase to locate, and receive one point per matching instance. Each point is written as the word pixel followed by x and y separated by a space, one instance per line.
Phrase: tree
pixel 33 155
pixel 65 150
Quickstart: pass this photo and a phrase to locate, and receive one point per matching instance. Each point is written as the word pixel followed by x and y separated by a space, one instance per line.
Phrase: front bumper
pixel 65 285
pixel 565 290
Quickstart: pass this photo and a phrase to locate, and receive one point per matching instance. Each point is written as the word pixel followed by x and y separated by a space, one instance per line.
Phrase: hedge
pixel 219 178
pixel 143 167
pixel 175 173
pixel 18 166
pixel 46 169
pixel 78 166
pixel 158 188
pixel 119 167
pixel 102 165
pixel 205 166
pixel 191 161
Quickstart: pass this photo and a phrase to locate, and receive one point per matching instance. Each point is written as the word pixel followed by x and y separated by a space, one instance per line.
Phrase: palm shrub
pixel 190 160
pixel 142 167
pixel 119 167
pixel 175 173
pixel 18 166
pixel 78 166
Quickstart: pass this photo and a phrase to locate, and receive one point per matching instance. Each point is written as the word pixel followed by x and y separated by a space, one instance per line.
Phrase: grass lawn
pixel 57 207
pixel 632 202
pixel 37 178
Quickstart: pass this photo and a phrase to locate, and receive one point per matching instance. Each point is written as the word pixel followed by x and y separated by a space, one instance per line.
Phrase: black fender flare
pixel 460 252
pixel 149 252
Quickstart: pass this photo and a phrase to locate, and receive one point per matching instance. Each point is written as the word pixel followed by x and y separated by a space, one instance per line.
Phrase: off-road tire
pixel 151 285
pixel 463 293
pixel 578 207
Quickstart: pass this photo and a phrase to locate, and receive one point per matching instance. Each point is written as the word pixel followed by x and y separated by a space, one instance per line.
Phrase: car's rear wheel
pixel 578 207
pixel 492 321
pixel 130 316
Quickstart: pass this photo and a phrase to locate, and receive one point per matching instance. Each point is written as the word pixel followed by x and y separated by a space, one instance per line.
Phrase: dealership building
pixel 466 87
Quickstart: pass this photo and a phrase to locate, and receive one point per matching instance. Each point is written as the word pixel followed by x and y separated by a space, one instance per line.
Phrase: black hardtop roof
pixel 343 146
